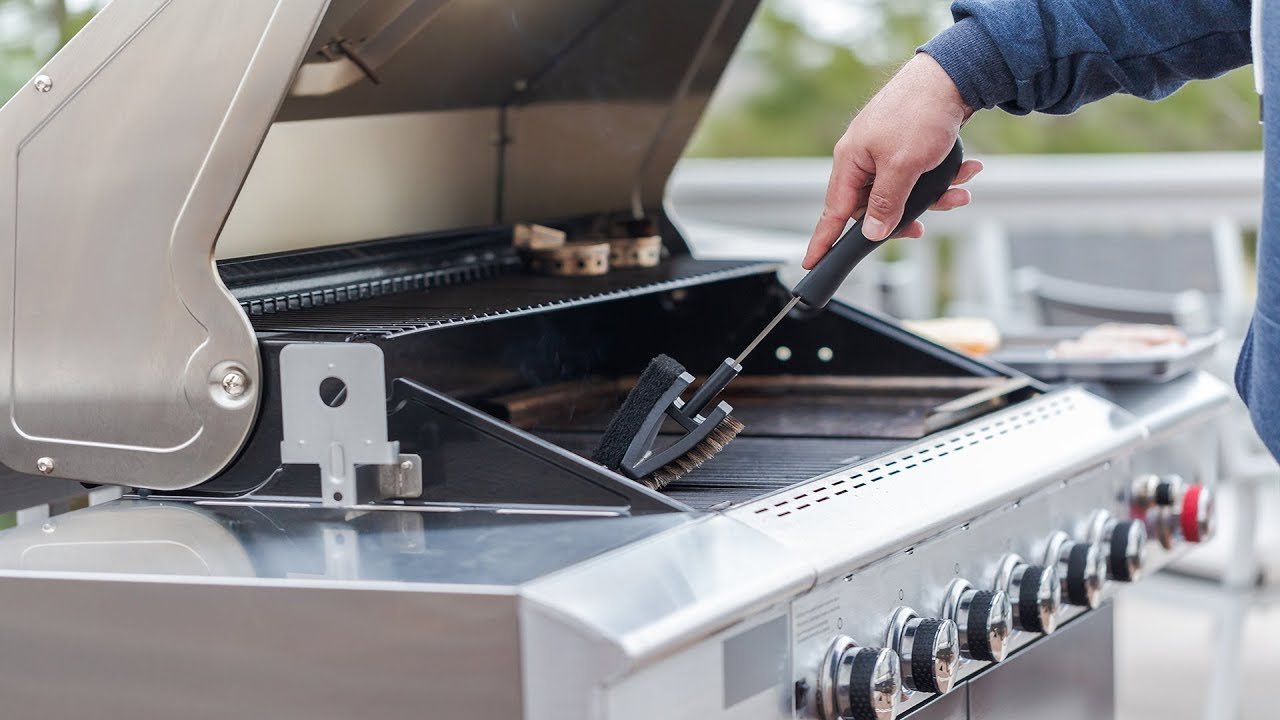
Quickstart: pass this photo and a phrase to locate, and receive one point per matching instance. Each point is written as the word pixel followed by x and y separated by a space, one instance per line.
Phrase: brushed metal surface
pixel 336 436
pixel 861 604
pixel 197 650
pixel 1071 677
pixel 118 180
pixel 330 181
pixel 943 482
pixel 653 602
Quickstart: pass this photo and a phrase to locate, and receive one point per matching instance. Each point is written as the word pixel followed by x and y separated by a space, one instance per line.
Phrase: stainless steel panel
pixel 1169 407
pixel 136 649
pixel 601 129
pixel 854 516
pixel 118 179
pixel 553 147
pixel 231 543
pixel 861 604
pixel 438 54
pixel 953 706
pixel 1050 681
pixel 340 180
pixel 335 436
pixel 598 621
pixel 693 684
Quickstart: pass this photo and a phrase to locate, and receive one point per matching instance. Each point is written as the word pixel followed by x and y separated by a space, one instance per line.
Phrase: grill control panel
pixel 921 621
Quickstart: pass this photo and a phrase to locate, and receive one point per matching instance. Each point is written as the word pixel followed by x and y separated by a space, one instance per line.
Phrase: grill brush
pixel 627 445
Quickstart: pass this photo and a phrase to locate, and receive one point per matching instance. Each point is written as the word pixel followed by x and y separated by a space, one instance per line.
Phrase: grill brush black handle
pixel 817 288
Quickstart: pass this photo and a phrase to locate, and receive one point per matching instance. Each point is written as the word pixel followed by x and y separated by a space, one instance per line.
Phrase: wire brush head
pixel 715 441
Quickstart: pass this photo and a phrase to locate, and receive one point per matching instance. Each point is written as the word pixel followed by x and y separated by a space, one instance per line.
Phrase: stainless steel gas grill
pixel 357 441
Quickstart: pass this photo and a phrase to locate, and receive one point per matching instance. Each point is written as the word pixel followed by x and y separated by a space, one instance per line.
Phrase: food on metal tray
pixel 1113 340
pixel 977 336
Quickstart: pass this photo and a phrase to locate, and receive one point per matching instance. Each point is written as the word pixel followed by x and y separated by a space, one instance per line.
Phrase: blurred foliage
pixel 792 89
pixel 796 82
pixel 31 31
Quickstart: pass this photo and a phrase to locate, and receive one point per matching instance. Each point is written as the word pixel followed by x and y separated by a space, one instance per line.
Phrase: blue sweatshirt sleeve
pixel 1055 55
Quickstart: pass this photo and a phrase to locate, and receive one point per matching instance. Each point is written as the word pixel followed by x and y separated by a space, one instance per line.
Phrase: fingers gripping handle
pixel 816 288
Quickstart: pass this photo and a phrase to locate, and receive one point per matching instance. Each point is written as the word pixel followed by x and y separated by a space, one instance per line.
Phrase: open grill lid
pixel 163 128
pixel 417 116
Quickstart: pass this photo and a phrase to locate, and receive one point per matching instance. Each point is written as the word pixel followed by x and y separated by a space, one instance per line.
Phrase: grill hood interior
pixel 483 112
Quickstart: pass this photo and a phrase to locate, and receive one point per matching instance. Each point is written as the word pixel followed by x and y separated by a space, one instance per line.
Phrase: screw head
pixel 406 466
pixel 233 383
pixel 45 465
pixel 42 83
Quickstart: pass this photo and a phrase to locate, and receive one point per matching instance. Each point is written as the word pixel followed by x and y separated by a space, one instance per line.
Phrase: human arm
pixel 1023 56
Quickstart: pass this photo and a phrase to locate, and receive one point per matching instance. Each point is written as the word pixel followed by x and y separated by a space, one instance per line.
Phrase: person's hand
pixel 906 130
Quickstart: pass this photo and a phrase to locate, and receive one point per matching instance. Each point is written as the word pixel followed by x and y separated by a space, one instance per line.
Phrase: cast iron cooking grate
pixel 506 294
pixel 752 466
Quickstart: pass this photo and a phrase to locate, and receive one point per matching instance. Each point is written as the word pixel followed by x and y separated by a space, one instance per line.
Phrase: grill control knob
pixel 1034 591
pixel 983 618
pixel 1124 543
pixel 1162 524
pixel 858 683
pixel 929 649
pixel 1197 513
pixel 1081 568
pixel 1156 490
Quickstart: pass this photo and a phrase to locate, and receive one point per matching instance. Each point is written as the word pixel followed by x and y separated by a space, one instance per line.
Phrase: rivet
pixel 45 465
pixel 42 83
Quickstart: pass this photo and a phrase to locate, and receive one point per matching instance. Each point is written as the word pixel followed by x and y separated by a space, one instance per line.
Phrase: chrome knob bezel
pixel 997 626
pixel 1014 577
pixel 1070 559
pixel 846 664
pixel 941 658
pixel 1124 555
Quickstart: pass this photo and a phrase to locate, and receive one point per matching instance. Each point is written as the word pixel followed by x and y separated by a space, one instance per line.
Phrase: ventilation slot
pixel 955 443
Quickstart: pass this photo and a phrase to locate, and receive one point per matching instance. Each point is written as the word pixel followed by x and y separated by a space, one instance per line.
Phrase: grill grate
pixel 507 294
pixel 753 466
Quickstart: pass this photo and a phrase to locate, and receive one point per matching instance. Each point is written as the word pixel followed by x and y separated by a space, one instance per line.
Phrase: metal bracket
pixel 334 414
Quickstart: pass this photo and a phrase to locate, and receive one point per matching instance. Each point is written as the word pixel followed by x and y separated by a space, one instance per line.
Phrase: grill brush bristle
pixel 627 445
pixel 721 435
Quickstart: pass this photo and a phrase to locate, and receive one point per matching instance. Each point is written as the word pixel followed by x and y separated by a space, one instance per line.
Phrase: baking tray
pixel 1029 353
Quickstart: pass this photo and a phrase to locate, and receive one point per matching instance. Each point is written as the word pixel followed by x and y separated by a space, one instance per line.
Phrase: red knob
pixel 1197 506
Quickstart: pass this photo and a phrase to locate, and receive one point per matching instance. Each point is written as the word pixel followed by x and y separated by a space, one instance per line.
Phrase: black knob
pixel 1037 593
pixel 929 649
pixel 875 682
pixel 985 625
pixel 1085 575
pixel 1126 544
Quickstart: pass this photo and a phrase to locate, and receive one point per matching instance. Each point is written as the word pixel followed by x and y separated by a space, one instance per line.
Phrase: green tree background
pixel 796 81
pixel 803 87
pixel 31 31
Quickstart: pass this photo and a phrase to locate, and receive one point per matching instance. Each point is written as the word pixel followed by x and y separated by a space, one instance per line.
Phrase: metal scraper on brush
pixel 628 442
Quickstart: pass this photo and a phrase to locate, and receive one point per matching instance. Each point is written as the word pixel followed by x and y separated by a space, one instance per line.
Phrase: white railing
pixel 768 207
